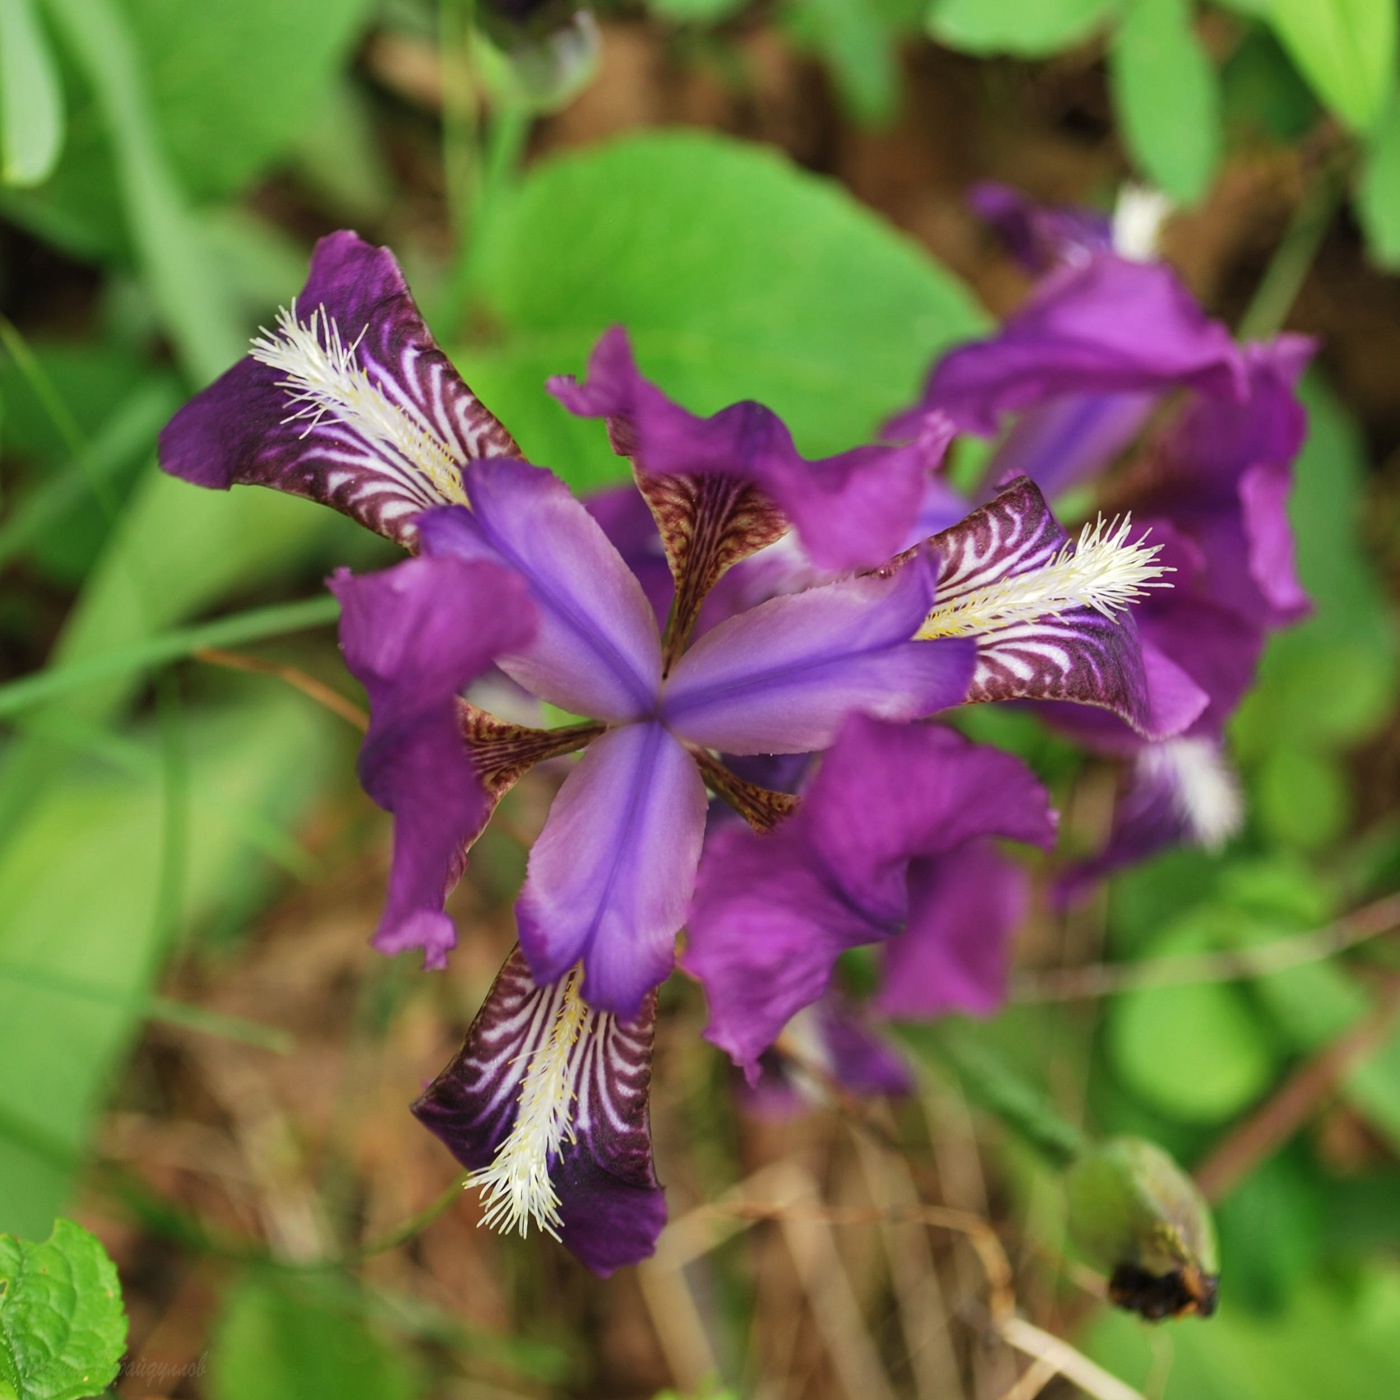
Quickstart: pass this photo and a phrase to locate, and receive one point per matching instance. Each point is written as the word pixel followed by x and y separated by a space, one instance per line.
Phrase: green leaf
pixel 858 46
pixel 31 99
pixel 1198 1052
pixel 737 275
pixel 182 278
pixel 1168 97
pixel 695 11
pixel 284 1340
pixel 1345 48
pixel 1378 191
pixel 62 1328
pixel 1334 1339
pixel 234 85
pixel 1263 92
pixel 59 1046
pixel 1027 28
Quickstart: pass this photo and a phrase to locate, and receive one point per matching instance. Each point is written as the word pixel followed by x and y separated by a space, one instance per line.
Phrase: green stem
pixel 1288 269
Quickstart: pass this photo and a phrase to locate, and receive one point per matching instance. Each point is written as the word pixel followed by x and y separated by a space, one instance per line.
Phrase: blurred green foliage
pixel 135 817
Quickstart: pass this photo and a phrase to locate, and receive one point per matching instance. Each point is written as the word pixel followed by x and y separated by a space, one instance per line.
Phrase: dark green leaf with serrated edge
pixel 62 1328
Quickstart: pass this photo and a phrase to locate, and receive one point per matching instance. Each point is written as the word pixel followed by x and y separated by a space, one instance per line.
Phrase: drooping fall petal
pixel 546 1103
pixel 610 876
pixel 414 636
pixel 349 401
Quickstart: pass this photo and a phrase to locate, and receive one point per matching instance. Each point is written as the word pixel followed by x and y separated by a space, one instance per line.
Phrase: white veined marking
pixel 1103 571
pixel 1138 216
pixel 516 1187
pixel 325 377
pixel 1204 790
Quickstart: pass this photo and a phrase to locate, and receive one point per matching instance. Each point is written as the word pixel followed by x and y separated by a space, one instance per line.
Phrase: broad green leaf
pixel 1334 1339
pixel 229 89
pixel 1197 1053
pixel 1301 799
pixel 80 883
pixel 183 279
pixel 857 44
pixel 31 99
pixel 1027 28
pixel 1331 681
pixel 1345 48
pixel 1167 95
pixel 1378 193
pixel 737 275
pixel 1262 91
pixel 289 1340
pixel 235 85
pixel 62 1328
pixel 695 11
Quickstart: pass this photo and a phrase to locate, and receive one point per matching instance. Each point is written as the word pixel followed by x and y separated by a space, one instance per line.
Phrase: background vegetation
pixel 199 1055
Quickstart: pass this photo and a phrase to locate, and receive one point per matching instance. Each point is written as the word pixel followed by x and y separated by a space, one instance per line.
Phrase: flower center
pixel 516 1187
pixel 1102 571
pixel 325 378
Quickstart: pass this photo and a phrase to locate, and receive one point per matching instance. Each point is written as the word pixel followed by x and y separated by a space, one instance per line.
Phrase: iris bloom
pixel 1102 348
pixel 350 402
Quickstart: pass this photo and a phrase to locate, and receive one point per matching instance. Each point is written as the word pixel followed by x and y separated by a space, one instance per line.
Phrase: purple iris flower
pixel 1103 344
pixel 867 858
pixel 350 402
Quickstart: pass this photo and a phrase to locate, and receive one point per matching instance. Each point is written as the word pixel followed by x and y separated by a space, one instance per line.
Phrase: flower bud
pixel 541 52
pixel 1135 1214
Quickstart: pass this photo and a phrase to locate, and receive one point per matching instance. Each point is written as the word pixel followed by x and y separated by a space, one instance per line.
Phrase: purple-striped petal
pixel 611 874
pixel 1109 326
pixel 954 952
pixel 608 1207
pixel 1182 791
pixel 782 677
pixel 850 511
pixel 1008 558
pixel 772 913
pixel 351 404
pixel 414 636
pixel 597 651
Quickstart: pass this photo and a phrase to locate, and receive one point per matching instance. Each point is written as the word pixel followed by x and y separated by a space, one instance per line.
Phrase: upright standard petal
pixel 1109 326
pixel 610 876
pixel 349 401
pixel 773 913
pixel 414 636
pixel 851 511
pixel 782 677
pixel 1050 616
pixel 546 1104
pixel 597 651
